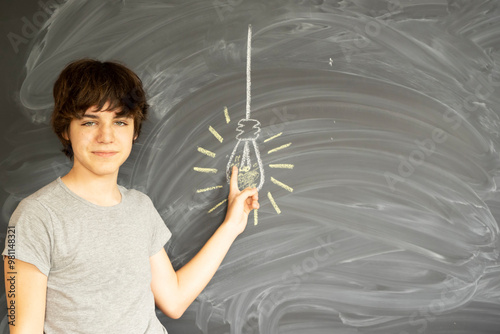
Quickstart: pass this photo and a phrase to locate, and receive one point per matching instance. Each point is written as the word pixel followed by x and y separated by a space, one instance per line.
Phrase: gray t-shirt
pixel 96 259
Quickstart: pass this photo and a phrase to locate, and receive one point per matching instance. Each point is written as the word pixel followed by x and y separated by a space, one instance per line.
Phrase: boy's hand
pixel 240 203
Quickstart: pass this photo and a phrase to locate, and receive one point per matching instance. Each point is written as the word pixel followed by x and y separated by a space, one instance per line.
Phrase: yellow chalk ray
pixel 208 189
pixel 281 184
pixel 273 202
pixel 279 148
pixel 215 133
pixel 205 170
pixel 285 166
pixel 206 152
pixel 226 114
pixel 215 207
pixel 255 217
pixel 271 138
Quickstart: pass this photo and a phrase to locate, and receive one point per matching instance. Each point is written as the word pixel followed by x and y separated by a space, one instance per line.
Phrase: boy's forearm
pixel 195 275
pixel 175 291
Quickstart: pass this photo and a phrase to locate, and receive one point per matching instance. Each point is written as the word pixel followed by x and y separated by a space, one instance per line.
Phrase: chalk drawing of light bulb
pixel 246 154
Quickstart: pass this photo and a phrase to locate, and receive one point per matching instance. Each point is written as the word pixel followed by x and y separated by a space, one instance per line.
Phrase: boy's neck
pixel 100 190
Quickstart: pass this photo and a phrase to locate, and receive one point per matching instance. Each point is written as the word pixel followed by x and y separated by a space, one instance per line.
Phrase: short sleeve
pixel 160 233
pixel 31 227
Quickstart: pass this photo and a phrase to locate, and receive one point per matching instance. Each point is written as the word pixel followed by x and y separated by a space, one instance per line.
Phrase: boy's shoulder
pixel 135 197
pixel 44 194
pixel 131 192
pixel 35 205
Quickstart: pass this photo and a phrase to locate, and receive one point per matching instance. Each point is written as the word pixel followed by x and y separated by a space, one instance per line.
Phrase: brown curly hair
pixel 86 83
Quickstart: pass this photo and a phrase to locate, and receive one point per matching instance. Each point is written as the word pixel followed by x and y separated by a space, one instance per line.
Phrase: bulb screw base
pixel 248 129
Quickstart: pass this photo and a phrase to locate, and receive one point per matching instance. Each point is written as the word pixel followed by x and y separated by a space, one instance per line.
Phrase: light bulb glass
pixel 246 156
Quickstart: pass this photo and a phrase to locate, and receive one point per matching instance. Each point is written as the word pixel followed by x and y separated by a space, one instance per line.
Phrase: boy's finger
pixel 249 192
pixel 233 182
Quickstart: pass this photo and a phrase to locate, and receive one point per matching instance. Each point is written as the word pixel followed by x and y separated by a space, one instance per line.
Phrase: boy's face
pixel 101 141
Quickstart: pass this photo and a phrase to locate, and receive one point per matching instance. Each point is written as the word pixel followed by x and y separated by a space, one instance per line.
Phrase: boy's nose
pixel 105 135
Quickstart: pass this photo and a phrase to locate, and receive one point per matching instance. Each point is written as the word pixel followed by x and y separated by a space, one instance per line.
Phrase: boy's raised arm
pixel 175 291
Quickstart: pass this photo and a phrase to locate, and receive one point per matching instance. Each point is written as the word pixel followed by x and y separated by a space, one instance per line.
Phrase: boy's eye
pixel 88 123
pixel 121 123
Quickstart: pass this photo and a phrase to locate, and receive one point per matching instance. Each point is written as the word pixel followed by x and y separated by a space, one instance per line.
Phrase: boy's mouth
pixel 105 154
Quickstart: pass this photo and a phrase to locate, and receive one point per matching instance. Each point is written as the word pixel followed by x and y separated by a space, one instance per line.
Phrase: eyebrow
pixel 96 117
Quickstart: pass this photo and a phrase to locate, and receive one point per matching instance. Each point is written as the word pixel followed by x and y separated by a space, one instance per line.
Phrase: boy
pixel 85 255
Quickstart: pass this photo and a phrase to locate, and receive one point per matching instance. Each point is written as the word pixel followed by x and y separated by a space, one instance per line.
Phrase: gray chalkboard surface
pixel 379 142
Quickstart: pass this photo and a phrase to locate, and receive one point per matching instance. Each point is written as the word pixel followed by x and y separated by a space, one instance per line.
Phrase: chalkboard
pixel 379 140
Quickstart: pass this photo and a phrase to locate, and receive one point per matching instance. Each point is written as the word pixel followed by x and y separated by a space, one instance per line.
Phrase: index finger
pixel 233 183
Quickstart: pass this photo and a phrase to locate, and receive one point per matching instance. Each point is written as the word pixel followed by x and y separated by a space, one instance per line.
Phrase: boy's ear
pixel 65 135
